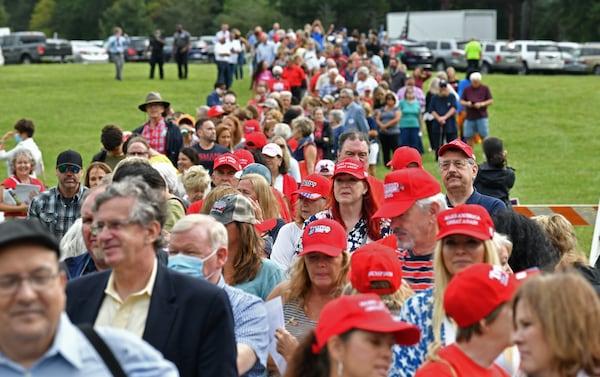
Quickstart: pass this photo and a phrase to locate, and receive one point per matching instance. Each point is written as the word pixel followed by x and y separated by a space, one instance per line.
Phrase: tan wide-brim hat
pixel 153 97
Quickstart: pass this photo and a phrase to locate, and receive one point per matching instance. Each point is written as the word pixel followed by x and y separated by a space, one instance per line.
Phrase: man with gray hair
pixel 413 200
pixel 364 82
pixel 354 114
pixel 189 321
pixel 36 336
pixel 198 247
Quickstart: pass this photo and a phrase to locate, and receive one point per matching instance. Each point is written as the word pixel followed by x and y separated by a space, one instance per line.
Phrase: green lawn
pixel 546 121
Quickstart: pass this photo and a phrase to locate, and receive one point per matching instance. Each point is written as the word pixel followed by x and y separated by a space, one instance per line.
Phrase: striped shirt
pixel 296 321
pixel 417 270
pixel 55 211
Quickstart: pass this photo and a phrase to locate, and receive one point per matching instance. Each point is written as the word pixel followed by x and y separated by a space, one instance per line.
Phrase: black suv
pixel 415 54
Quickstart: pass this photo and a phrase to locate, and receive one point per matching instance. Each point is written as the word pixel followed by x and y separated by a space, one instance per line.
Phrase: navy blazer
pixel 189 320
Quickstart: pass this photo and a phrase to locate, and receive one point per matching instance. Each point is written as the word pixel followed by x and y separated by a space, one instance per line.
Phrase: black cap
pixel 27 231
pixel 69 157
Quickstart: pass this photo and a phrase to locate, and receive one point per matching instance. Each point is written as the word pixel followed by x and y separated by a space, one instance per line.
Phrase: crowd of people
pixel 177 236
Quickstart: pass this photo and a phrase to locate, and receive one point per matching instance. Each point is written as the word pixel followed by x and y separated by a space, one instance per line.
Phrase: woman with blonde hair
pixel 316 277
pixel 225 136
pixel 22 164
pixel 555 326
pixel 464 238
pixel 237 131
pixel 256 188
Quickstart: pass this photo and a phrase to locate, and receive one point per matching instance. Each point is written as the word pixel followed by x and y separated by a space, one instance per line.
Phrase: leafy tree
pixel 19 12
pixel 3 14
pixel 78 19
pixel 131 15
pixel 41 19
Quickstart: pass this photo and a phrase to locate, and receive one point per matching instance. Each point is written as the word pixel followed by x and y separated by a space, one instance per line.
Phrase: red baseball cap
pixel 324 236
pixel 314 186
pixel 251 125
pixel 402 188
pixel 350 166
pixel 363 312
pixel 404 156
pixel 227 159
pixel 255 140
pixel 244 156
pixel 476 291
pixel 457 144
pixel 215 111
pixel 375 262
pixel 468 219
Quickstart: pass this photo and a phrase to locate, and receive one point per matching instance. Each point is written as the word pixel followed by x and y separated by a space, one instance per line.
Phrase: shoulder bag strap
pixel 103 350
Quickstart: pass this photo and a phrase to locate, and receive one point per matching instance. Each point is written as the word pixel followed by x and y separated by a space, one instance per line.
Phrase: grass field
pixel 548 122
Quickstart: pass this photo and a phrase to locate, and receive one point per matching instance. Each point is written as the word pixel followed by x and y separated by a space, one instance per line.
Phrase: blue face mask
pixel 189 265
pixel 18 138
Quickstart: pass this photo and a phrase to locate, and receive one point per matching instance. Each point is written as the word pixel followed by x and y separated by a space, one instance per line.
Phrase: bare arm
pixel 246 358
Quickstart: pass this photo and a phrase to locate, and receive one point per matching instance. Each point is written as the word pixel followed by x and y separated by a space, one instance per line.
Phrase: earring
pixel 340 368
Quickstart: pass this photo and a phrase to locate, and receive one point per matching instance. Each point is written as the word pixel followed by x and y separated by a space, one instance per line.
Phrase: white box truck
pixel 456 24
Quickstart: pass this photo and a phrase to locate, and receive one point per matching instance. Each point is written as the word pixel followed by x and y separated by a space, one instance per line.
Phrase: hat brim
pixel 328 250
pixel 405 334
pixel 265 226
pixel 390 209
pixel 142 107
pixel 467 232
pixel 309 195
pixel 236 168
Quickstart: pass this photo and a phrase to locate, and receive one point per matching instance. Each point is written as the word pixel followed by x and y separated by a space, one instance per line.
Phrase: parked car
pixel 168 50
pixel 210 47
pixel 573 63
pixel 590 53
pixel 138 49
pixel 57 50
pixel 197 52
pixel 88 52
pixel 446 53
pixel 24 47
pixel 499 56
pixel 414 54
pixel 539 56
pixel 1 57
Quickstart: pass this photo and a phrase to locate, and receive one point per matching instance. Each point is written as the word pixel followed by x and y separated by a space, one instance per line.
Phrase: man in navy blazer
pixel 188 320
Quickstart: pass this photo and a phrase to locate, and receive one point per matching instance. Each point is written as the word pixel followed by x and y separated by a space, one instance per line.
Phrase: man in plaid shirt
pixel 59 207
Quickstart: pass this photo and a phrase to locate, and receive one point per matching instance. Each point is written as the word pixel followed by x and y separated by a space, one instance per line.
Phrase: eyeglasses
pixel 445 165
pixel 228 103
pixel 9 284
pixel 65 168
pixel 111 225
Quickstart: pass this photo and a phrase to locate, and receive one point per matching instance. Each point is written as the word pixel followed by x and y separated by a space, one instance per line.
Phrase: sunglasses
pixel 65 168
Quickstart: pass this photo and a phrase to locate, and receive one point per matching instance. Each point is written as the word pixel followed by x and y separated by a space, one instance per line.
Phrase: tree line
pixel 576 20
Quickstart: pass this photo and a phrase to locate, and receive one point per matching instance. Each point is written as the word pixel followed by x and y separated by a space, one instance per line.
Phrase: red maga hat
pixel 324 236
pixel 363 312
pixel 375 262
pixel 402 188
pixel 403 156
pixel 227 159
pixel 314 186
pixel 476 291
pixel 457 144
pixel 468 219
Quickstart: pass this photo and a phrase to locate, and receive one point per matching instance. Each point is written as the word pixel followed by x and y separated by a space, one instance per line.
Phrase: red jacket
pixel 294 75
